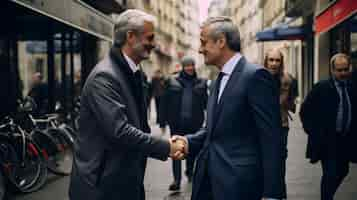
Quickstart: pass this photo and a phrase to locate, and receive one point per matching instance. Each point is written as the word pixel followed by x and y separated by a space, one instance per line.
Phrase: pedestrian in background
pixel 147 92
pixel 39 92
pixel 183 105
pixel 158 87
pixel 329 120
pixel 287 84
pixel 113 142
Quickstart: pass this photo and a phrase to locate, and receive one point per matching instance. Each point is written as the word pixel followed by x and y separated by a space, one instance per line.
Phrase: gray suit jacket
pixel 241 152
pixel 112 148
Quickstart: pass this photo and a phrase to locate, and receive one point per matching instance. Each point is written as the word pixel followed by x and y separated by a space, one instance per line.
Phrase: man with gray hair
pixel 114 141
pixel 183 105
pixel 240 151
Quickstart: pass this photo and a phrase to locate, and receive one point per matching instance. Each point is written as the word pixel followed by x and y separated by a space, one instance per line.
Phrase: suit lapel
pixel 124 81
pixel 233 80
pixel 210 108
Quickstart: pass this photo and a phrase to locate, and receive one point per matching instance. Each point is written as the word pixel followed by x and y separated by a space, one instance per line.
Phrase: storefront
pixel 54 38
pixel 337 22
pixel 297 45
pixel 291 30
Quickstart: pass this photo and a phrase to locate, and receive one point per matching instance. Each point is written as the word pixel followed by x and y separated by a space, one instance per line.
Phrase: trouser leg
pixel 176 169
pixel 333 173
pixel 285 131
pixel 190 160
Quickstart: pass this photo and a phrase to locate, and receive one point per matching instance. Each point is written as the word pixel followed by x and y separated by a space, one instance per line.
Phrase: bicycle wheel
pixel 47 144
pixel 70 132
pixel 26 174
pixel 61 163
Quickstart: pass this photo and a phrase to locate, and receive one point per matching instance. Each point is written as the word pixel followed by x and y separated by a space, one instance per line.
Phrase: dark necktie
pixel 139 92
pixel 345 108
pixel 217 90
pixel 137 76
pixel 218 85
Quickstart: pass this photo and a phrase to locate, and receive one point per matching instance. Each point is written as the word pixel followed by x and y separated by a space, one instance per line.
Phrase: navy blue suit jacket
pixel 240 150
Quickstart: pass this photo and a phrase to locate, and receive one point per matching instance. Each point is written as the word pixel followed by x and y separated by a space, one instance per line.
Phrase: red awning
pixel 336 13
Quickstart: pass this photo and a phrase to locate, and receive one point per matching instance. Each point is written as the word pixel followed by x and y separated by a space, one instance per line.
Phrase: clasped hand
pixel 178 147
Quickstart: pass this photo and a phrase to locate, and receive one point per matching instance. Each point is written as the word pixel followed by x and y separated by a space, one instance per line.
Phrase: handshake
pixel 178 147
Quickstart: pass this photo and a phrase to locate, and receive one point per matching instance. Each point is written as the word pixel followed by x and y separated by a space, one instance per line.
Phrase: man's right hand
pixel 182 141
pixel 176 150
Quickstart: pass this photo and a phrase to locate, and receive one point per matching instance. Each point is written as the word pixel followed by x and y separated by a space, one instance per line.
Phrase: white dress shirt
pixel 131 63
pixel 227 71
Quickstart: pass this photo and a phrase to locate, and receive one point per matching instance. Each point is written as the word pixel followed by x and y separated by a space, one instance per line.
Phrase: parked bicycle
pixel 23 163
pixel 55 138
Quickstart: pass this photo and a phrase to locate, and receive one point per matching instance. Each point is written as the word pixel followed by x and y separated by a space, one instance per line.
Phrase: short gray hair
pixel 187 60
pixel 130 20
pixel 224 25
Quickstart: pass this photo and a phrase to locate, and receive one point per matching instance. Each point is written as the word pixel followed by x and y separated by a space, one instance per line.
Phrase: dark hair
pixel 187 60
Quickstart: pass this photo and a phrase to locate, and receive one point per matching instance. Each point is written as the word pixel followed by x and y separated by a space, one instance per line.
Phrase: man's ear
pixel 222 41
pixel 130 36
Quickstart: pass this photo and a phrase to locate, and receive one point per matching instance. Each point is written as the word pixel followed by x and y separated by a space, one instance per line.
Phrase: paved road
pixel 303 178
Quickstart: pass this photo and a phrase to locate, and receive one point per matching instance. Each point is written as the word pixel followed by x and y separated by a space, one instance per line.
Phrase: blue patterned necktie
pixel 345 107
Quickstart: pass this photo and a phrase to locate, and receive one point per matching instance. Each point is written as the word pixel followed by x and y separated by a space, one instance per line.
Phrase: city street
pixel 303 178
pixel 113 56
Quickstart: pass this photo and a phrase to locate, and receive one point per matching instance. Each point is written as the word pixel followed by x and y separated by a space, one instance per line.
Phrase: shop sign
pixel 333 15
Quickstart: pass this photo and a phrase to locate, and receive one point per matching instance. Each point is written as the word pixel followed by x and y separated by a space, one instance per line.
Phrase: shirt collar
pixel 337 82
pixel 231 63
pixel 131 63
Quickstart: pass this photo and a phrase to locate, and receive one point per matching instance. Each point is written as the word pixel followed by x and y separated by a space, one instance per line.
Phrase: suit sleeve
pixel 164 105
pixel 108 108
pixel 310 115
pixel 309 109
pixel 263 98
pixel 205 96
pixel 195 141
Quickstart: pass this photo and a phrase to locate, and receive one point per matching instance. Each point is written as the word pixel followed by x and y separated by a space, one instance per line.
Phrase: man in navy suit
pixel 240 151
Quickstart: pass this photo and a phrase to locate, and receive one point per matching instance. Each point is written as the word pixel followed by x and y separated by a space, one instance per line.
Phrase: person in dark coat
pixel 240 150
pixel 39 93
pixel 147 90
pixel 274 63
pixel 158 83
pixel 183 105
pixel 328 115
pixel 113 143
